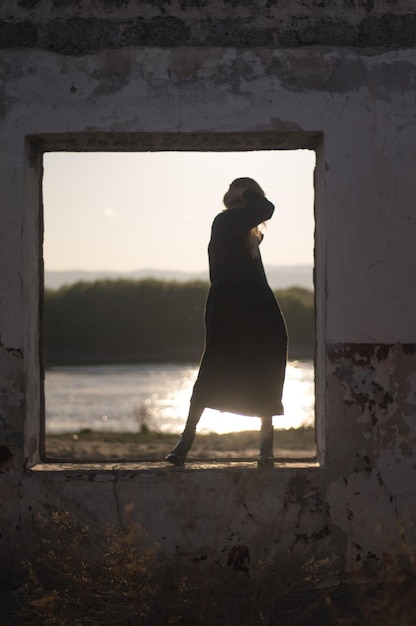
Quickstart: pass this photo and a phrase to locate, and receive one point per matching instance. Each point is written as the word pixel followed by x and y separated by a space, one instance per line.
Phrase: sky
pixel 153 210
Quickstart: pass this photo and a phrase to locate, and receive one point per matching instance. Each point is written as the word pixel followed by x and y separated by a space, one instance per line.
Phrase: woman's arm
pixel 257 209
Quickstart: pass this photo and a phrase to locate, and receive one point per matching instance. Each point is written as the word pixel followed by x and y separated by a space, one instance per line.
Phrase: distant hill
pixel 281 277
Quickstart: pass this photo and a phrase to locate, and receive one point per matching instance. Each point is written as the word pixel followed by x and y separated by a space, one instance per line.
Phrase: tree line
pixel 127 321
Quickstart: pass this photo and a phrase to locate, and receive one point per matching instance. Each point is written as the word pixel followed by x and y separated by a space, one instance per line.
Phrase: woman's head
pixel 233 200
pixel 247 183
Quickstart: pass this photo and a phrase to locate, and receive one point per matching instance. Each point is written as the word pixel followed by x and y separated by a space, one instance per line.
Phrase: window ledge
pixel 162 467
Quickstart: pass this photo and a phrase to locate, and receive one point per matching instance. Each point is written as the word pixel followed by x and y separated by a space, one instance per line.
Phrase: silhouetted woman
pixel 243 366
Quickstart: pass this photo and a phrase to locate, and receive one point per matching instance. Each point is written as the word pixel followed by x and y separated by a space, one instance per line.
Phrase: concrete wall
pixel 335 76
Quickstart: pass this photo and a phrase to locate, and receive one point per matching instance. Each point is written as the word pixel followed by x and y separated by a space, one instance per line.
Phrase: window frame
pixel 33 267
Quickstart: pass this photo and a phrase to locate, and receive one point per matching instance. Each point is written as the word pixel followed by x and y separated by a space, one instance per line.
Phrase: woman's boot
pixel 179 452
pixel 266 458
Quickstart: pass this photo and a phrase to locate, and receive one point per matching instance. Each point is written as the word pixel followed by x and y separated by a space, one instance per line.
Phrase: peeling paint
pixel 5 455
pixel 11 396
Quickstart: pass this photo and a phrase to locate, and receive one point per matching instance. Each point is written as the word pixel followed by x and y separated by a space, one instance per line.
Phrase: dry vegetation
pixel 78 578
pixel 150 445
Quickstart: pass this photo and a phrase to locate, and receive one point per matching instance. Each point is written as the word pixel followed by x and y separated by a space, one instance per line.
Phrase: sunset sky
pixel 130 211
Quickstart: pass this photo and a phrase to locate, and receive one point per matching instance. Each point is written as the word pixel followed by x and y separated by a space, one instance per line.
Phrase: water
pixel 120 397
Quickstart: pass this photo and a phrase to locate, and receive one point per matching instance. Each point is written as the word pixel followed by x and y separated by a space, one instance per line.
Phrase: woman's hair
pixel 247 183
pixel 254 235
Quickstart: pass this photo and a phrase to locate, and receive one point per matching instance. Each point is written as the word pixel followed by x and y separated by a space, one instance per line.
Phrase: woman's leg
pixel 179 452
pixel 266 458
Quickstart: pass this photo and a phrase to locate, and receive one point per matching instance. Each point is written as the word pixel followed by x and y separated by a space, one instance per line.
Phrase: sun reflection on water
pixel 298 400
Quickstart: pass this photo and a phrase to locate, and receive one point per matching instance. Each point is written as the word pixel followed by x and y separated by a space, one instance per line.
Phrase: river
pixel 123 397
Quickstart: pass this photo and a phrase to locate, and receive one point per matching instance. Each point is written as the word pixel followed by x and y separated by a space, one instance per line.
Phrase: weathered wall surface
pixel 87 26
pixel 338 77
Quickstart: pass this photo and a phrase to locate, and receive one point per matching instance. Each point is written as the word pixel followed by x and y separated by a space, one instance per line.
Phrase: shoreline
pixel 150 445
pixel 296 353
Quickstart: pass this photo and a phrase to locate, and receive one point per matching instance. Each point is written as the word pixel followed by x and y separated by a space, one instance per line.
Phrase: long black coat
pixel 243 366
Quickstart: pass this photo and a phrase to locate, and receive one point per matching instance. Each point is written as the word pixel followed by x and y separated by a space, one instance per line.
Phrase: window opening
pixel 112 219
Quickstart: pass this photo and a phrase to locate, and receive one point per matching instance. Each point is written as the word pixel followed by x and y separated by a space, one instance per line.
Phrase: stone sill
pixel 160 467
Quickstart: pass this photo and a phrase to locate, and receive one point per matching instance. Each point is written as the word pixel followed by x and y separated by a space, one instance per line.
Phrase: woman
pixel 243 366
